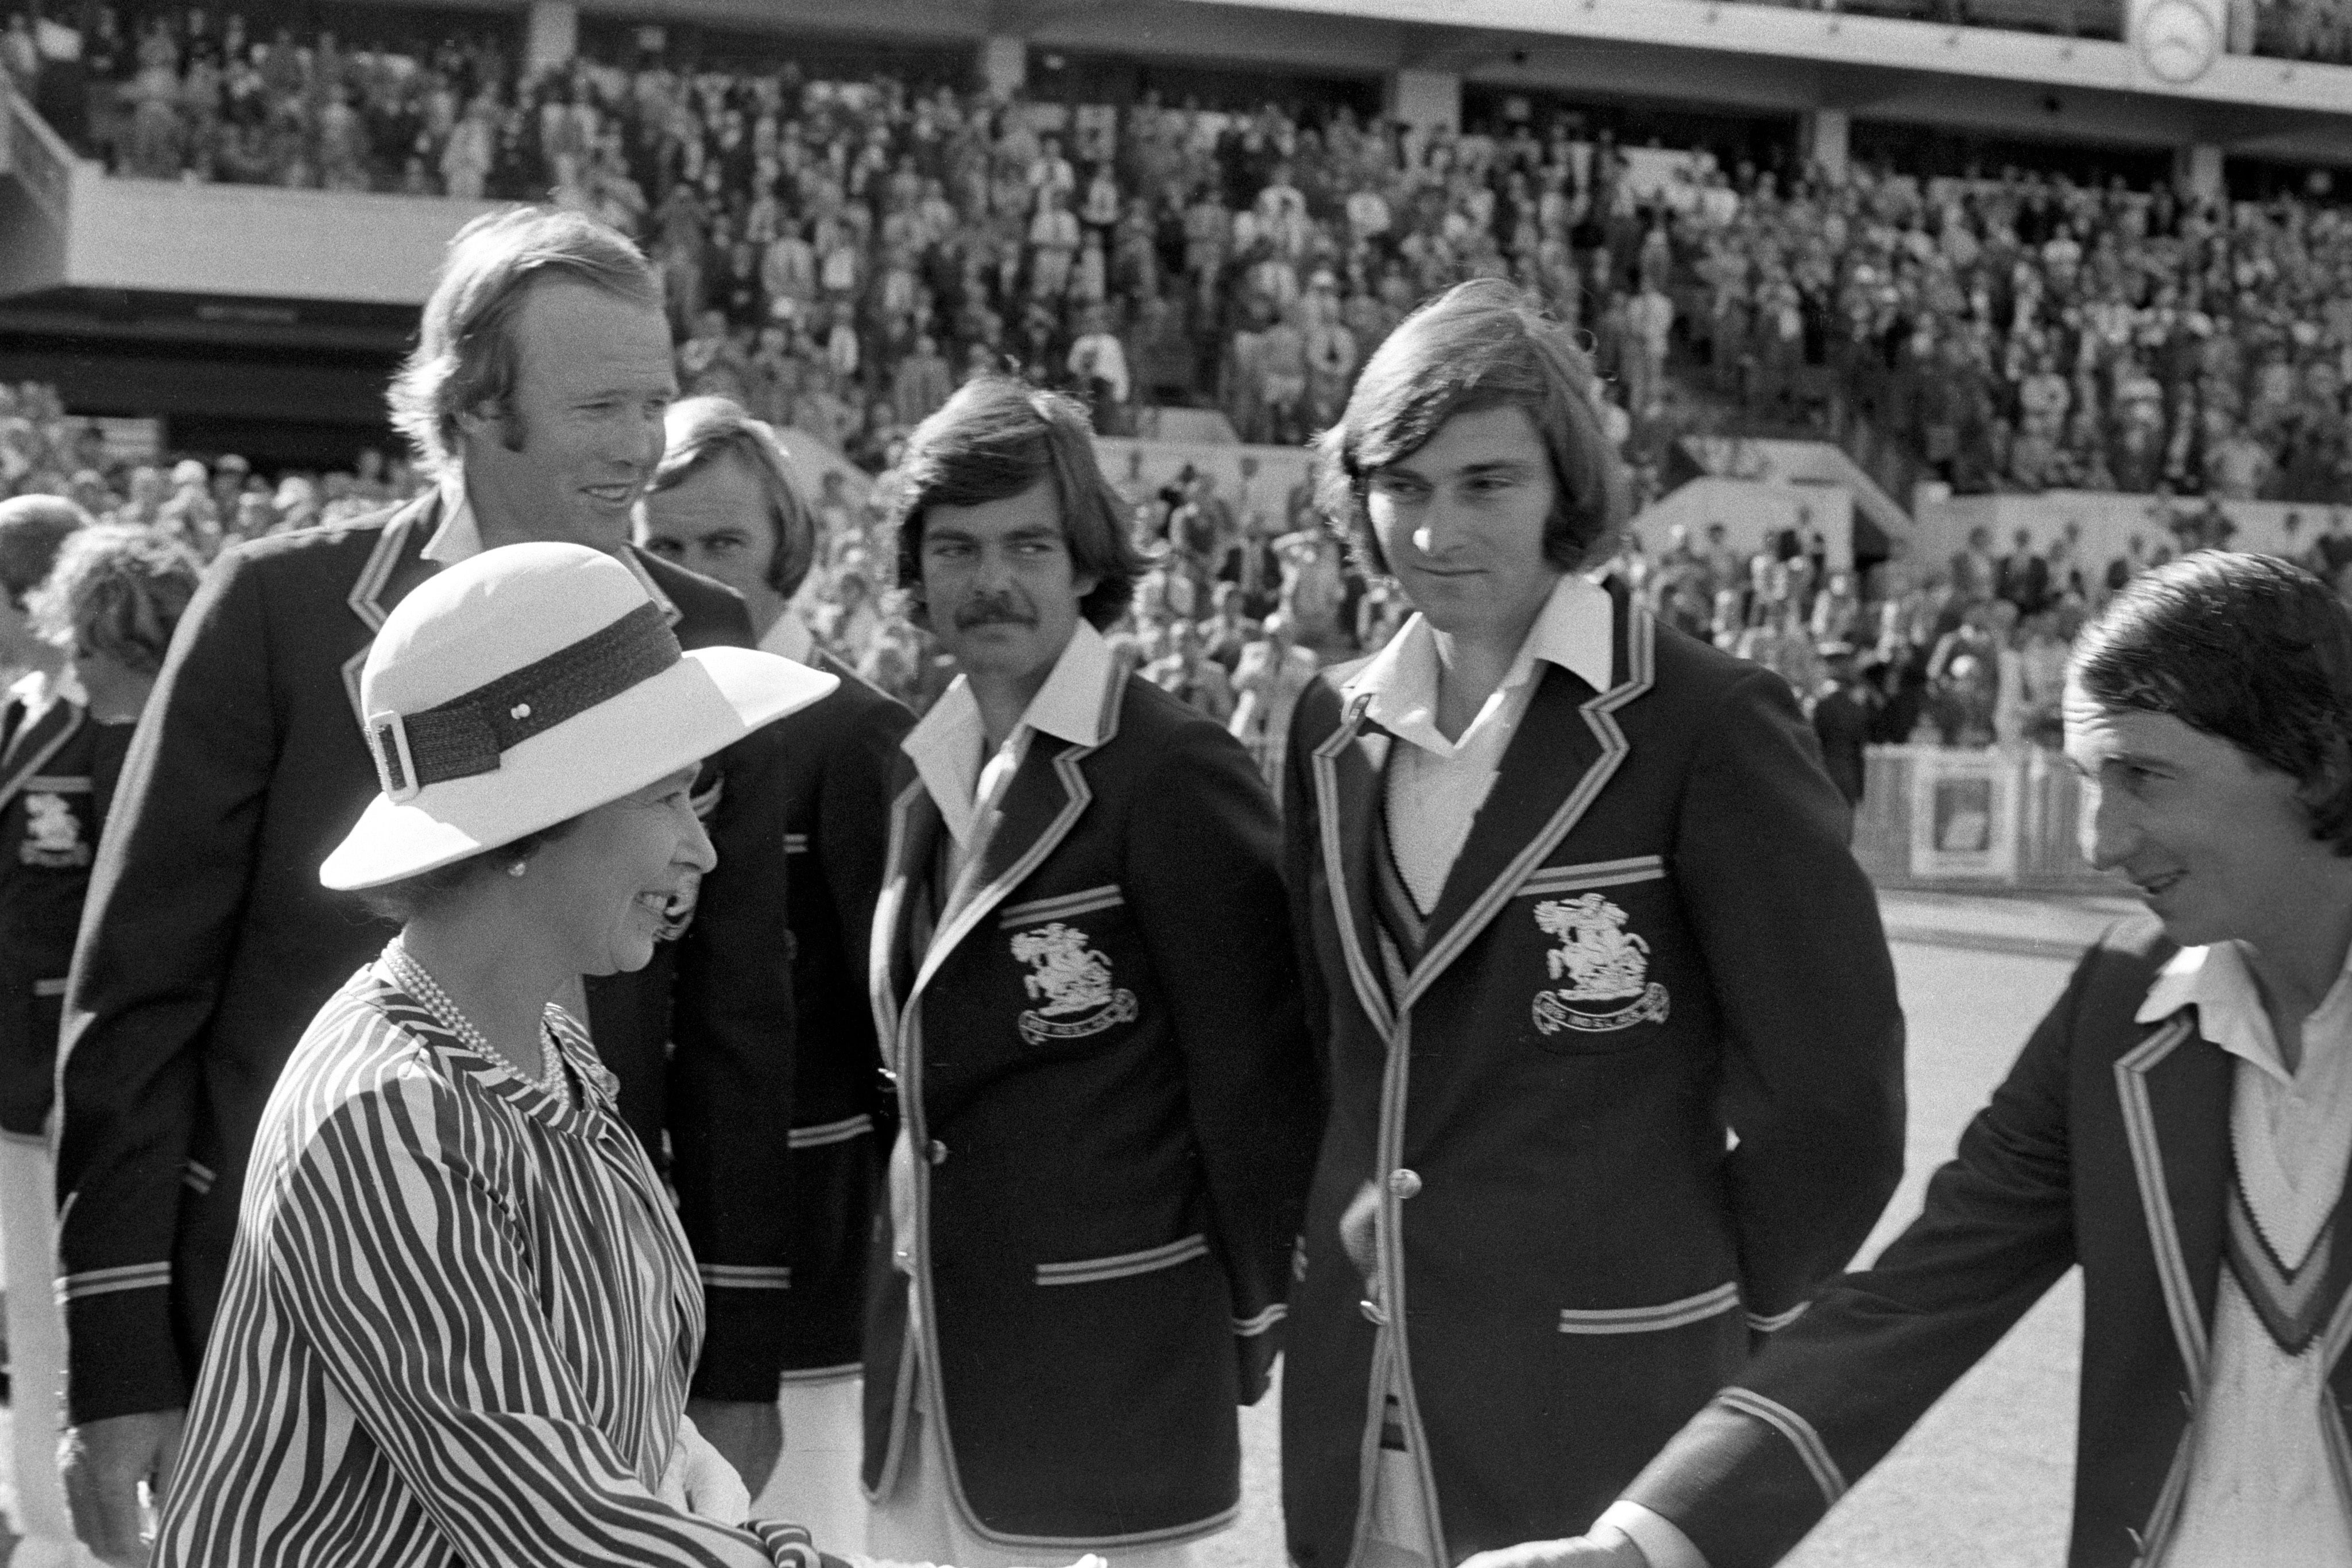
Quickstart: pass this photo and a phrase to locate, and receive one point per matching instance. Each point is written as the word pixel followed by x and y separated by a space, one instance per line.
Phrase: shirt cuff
pixel 1660 1539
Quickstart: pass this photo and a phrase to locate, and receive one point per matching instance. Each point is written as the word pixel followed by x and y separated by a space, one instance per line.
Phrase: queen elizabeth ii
pixel 460 1318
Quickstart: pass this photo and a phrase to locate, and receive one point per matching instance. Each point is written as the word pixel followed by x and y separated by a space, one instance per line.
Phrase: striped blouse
pixel 458 1327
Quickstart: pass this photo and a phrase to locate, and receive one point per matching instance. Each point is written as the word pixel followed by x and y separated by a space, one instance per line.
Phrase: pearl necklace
pixel 425 990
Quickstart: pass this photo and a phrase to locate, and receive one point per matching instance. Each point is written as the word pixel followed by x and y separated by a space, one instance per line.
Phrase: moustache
pixel 999 610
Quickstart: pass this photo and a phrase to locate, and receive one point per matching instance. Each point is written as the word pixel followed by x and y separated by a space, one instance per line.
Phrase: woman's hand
pixel 699 1481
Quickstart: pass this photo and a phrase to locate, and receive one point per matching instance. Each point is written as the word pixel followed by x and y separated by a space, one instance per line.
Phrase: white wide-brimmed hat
pixel 526 686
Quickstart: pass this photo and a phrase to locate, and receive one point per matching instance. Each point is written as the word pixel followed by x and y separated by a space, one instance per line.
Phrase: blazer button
pixel 1403 1183
pixel 938 1153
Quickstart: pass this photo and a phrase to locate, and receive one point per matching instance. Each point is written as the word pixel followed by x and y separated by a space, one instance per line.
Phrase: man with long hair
pixel 1616 1057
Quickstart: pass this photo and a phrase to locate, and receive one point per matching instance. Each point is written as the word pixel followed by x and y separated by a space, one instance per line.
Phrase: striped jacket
pixel 460 1320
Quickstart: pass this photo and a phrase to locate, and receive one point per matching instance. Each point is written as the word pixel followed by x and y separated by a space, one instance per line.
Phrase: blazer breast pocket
pixel 1070 980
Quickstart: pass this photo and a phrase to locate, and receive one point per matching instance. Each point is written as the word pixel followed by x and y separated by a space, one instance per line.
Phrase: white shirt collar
pixel 38 689
pixel 1576 630
pixel 790 637
pixel 1073 705
pixel 458 538
pixel 2229 1012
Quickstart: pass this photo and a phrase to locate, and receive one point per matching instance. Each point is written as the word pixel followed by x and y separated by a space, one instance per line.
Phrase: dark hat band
pixel 467 735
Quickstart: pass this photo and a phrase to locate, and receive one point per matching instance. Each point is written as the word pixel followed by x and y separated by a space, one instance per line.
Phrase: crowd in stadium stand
pixel 2028 334
pixel 1252 594
pixel 839 256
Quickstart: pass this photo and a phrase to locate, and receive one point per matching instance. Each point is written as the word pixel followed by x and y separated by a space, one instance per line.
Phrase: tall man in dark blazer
pixel 1580 898
pixel 2179 1126
pixel 536 394
pixel 1083 981
pixel 726 502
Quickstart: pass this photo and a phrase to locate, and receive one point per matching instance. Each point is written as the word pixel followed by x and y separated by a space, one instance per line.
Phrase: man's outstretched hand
pixel 1610 1548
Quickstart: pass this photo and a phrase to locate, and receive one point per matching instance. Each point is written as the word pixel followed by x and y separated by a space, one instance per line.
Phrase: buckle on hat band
pixel 468 735
pixel 395 764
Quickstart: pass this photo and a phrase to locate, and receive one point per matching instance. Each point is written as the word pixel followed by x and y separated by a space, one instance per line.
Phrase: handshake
pixel 1606 1547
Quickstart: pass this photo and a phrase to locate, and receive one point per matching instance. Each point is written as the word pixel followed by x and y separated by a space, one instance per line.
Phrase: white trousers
pixel 37 1356
pixel 816 1480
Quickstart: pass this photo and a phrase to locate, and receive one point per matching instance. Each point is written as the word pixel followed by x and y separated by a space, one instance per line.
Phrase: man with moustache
pixel 2177 1126
pixel 726 503
pixel 536 394
pixel 1615 1052
pixel 1083 979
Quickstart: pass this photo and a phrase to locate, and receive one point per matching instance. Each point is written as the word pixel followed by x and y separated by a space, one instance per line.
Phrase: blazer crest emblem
pixel 53 835
pixel 1602 962
pixel 1070 978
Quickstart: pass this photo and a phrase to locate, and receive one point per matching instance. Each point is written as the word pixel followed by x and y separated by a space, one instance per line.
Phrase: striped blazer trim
pixel 368 589
pixel 1371 995
pixel 796 843
pixel 198 1178
pixel 1810 1449
pixel 1256 1324
pixel 57 784
pixel 56 987
pixel 1120 1266
pixel 2333 1437
pixel 32 746
pixel 2155 1201
pixel 1690 1310
pixel 1594 873
pixel 1069 907
pixel 825 1133
pixel 744 1276
pixel 1773 1322
pixel 705 801
pixel 107 1282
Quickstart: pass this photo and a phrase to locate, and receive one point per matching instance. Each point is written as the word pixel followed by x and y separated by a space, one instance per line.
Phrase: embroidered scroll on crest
pixel 1603 963
pixel 1075 982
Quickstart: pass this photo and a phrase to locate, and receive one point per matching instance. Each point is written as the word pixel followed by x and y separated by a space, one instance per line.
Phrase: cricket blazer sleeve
pixel 1798 961
pixel 165 898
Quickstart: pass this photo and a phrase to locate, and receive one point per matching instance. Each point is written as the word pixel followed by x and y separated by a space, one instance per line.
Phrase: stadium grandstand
pixel 1911 283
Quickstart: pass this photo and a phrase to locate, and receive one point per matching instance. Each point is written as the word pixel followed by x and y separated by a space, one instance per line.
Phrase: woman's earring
pixel 518 868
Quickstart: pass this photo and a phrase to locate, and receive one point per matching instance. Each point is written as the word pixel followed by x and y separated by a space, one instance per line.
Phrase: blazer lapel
pixel 396 565
pixel 1347 767
pixel 2174 1086
pixel 1044 802
pixel 915 826
pixel 32 745
pixel 1568 747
